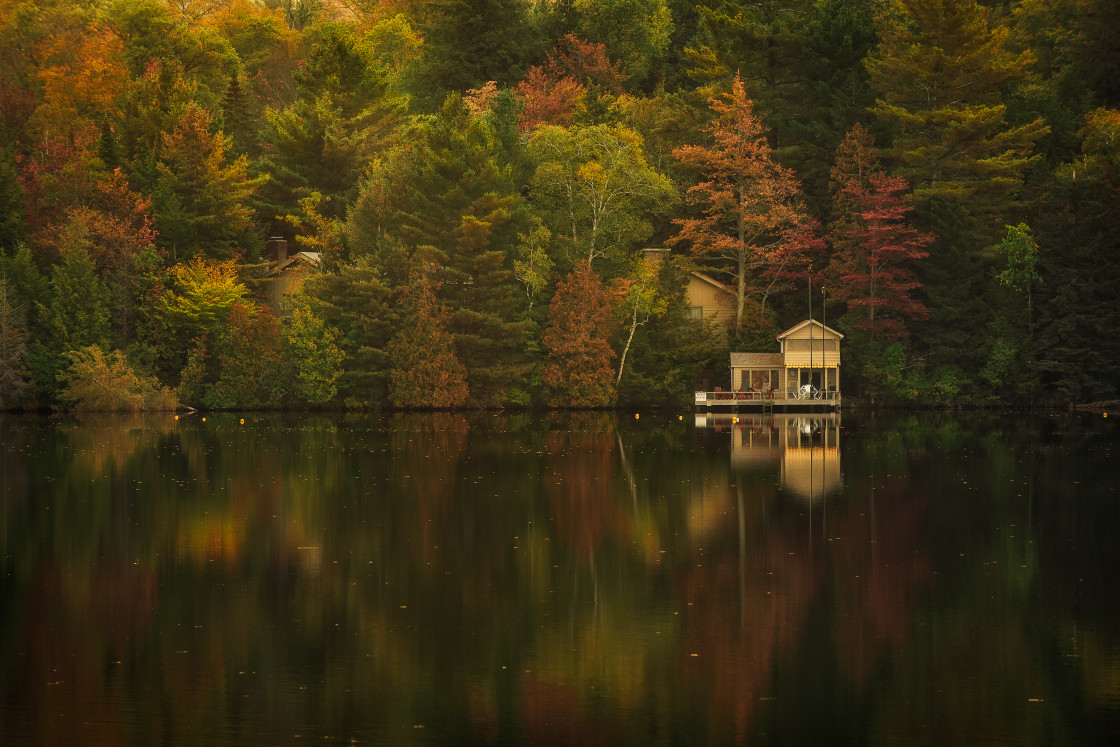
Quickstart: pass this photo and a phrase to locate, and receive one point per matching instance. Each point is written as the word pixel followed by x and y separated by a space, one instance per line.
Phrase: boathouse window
pixel 696 312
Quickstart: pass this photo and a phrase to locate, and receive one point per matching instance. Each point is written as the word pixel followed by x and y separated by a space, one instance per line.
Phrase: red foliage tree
pixel 578 366
pixel 551 94
pixel 585 62
pixel 547 100
pixel 873 266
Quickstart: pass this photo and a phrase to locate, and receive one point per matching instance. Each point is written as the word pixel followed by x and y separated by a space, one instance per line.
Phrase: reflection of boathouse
pixel 803 375
pixel 806 447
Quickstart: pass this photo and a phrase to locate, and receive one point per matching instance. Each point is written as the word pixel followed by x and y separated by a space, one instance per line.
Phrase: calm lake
pixel 586 579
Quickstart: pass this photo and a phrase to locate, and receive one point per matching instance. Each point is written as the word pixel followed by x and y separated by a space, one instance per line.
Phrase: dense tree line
pixel 481 179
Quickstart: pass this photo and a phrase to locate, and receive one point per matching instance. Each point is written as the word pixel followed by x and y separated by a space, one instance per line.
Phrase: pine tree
pixel 75 316
pixel 469 42
pixel 203 201
pixel 343 117
pixel 13 350
pixel 940 71
pixel 451 206
pixel 355 301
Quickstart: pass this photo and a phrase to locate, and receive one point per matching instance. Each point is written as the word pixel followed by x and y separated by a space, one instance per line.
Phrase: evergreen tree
pixel 11 203
pixel 344 115
pixel 762 42
pixel 355 301
pixel 469 42
pixel 75 316
pixel 452 207
pixel 836 92
pixel 312 358
pixel 249 358
pixel 1078 358
pixel 13 349
pixel 940 71
pixel 202 201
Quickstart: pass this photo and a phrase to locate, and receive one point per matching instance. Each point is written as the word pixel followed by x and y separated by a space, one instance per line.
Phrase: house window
pixel 696 312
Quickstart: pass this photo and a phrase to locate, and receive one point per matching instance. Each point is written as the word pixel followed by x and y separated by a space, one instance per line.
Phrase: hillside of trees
pixel 481 178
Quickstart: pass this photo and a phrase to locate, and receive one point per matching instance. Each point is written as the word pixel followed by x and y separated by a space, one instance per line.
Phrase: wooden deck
pixel 794 400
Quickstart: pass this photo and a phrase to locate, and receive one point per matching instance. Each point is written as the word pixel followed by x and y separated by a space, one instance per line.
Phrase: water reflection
pixel 496 579
pixel 807 448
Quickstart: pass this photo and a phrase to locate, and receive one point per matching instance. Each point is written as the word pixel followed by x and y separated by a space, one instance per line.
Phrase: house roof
pixel 711 281
pixel 758 360
pixel 312 258
pixel 796 327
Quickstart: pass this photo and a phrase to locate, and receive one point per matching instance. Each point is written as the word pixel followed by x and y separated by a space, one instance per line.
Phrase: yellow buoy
pixel 204 420
pixel 734 420
pixel 242 421
pixel 635 416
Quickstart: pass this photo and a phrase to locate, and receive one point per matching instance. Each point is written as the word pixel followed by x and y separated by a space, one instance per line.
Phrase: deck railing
pixel 771 395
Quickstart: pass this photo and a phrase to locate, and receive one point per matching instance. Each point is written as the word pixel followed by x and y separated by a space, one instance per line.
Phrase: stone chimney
pixel 278 248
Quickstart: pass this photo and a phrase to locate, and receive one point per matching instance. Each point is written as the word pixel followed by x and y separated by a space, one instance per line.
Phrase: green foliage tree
pixel 446 200
pixel 355 301
pixel 468 42
pixel 670 351
pixel 1078 243
pixel 834 91
pixel 76 315
pixel 762 41
pixel 11 203
pixel 635 32
pixel 249 360
pixel 196 306
pixel 203 203
pixel 596 191
pixel 312 358
pixel 577 366
pixel 13 350
pixel 1020 254
pixel 151 34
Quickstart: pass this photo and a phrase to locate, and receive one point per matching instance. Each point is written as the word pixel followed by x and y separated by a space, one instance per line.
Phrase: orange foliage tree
pixel 425 371
pixel 578 367
pixel 750 206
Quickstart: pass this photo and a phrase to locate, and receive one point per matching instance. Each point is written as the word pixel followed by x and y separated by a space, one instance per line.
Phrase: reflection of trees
pixel 539 578
pixel 578 475
pixel 877 570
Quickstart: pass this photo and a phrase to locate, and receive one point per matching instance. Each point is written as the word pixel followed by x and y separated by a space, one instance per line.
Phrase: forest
pixel 480 181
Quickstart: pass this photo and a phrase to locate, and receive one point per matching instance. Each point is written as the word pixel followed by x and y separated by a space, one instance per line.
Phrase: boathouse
pixel 803 374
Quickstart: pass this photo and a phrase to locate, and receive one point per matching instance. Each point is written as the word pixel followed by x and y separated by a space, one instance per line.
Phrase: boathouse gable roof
pixel 798 327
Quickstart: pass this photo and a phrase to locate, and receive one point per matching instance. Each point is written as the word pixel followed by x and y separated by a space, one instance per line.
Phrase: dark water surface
pixel 551 579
